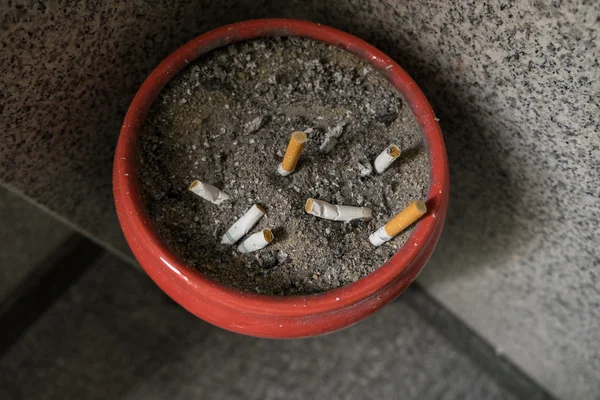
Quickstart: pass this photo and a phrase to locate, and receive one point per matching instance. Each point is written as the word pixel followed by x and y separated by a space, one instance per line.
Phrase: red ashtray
pixel 273 316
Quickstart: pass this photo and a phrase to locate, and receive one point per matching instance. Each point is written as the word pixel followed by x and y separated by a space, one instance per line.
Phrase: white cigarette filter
pixel 208 192
pixel 243 225
pixel 322 209
pixel 256 241
pixel 400 222
pixel 386 158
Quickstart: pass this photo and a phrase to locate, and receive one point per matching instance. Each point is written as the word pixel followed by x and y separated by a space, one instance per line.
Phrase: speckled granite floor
pixel 516 85
pixel 115 335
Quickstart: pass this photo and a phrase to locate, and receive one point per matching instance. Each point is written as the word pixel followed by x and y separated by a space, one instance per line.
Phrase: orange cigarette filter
pixel 405 218
pixel 399 223
pixel 292 154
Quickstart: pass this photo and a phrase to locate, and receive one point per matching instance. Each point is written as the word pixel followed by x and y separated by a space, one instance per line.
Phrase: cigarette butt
pixel 400 222
pixel 256 241
pixel 322 209
pixel 292 154
pixel 386 158
pixel 243 225
pixel 208 192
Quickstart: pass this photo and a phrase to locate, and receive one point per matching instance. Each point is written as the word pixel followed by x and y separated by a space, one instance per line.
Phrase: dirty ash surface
pixel 226 120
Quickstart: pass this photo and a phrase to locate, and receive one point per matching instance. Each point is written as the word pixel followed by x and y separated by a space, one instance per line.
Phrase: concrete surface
pixel 515 85
pixel 114 335
pixel 27 237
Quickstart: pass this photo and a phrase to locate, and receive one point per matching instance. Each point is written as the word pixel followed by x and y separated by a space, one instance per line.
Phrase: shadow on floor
pixel 114 335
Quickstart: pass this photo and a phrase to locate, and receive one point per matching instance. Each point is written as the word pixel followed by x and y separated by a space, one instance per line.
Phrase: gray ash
pixel 226 120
